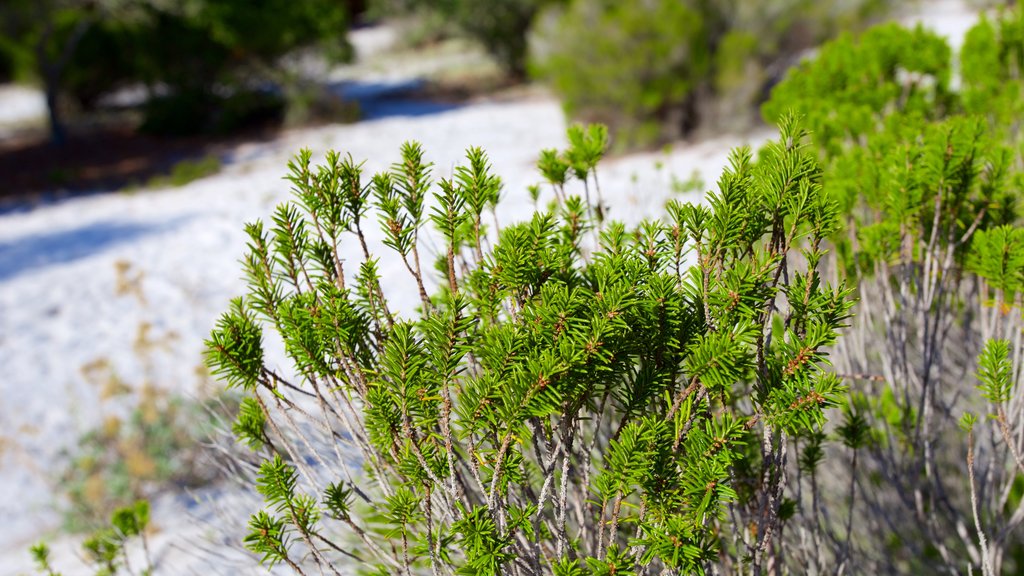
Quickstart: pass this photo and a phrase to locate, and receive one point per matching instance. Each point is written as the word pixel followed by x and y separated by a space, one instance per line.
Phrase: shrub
pixel 655 70
pixel 191 112
pixel 928 182
pixel 156 447
pixel 559 404
pixel 501 26
pixel 185 172
pixel 847 90
pixel 634 68
pixel 992 64
pixel 188 171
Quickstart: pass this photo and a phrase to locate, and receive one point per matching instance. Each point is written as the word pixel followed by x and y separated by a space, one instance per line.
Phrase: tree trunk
pixel 58 133
pixel 51 69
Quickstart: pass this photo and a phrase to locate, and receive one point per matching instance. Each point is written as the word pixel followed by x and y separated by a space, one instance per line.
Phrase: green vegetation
pixel 575 398
pixel 633 69
pixel 579 398
pixel 654 70
pixel 155 448
pixel 852 85
pixel 83 49
pixel 570 396
pixel 107 548
pixel 187 171
pixel 928 179
pixel 500 26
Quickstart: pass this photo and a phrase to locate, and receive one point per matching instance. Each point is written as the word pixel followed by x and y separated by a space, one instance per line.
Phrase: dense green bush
pixel 928 181
pixel 573 398
pixel 847 90
pixel 992 65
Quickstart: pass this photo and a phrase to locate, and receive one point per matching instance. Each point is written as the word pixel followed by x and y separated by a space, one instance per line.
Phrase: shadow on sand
pixel 43 250
pixel 379 100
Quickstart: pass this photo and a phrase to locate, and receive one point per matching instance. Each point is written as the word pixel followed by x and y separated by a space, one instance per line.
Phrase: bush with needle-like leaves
pixel 575 396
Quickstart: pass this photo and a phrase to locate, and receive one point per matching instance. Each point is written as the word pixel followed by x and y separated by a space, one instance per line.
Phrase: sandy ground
pixel 64 267
pixel 20 106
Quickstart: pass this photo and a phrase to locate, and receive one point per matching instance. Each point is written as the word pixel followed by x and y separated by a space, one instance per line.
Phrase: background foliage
pixel 207 57
pixel 655 70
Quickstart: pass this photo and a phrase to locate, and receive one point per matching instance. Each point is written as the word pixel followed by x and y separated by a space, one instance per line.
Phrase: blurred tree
pixel 634 67
pixel 85 48
pixel 46 33
pixel 214 59
pixel 6 63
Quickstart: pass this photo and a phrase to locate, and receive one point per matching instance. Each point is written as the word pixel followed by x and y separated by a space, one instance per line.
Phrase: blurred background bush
pixel 656 70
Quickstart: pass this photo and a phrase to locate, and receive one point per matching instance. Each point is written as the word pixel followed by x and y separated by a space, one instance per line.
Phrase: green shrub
pixel 631 67
pixel 928 184
pixel 107 547
pixel 187 171
pixel 655 70
pixel 420 23
pixel 992 66
pixel 501 26
pixel 850 86
pixel 573 398
pixel 199 112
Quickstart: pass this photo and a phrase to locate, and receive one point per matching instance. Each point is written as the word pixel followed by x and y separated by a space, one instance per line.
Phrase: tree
pixel 216 59
pixel 48 32
pixel 89 47
pixel 501 26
